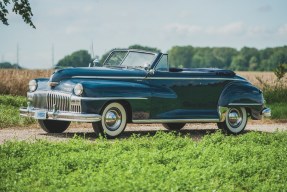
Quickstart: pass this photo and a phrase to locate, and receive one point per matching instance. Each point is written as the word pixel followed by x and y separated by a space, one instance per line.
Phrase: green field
pixel 9 111
pixel 164 162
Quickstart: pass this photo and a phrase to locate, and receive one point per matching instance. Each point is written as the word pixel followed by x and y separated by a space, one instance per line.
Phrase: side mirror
pixel 96 62
pixel 151 71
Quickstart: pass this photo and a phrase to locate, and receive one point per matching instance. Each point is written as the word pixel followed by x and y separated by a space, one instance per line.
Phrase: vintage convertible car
pixel 135 86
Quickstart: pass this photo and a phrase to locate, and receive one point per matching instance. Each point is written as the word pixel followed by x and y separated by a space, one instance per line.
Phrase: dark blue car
pixel 135 86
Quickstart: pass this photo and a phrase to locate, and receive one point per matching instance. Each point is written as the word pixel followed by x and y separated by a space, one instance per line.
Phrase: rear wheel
pixel 53 126
pixel 173 126
pixel 235 120
pixel 114 121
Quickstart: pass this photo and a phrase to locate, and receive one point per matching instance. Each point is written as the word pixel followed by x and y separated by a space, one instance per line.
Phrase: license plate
pixel 40 115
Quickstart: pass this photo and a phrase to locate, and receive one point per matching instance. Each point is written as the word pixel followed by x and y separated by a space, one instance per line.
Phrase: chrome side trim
pixel 243 104
pixel 62 116
pixel 266 112
pixel 176 121
pixel 154 78
pixel 194 78
pixel 106 98
pixel 105 77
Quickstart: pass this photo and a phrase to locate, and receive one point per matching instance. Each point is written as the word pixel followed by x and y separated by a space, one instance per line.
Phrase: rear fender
pixel 243 94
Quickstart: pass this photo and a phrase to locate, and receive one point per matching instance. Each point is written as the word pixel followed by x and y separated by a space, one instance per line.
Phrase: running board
pixel 177 121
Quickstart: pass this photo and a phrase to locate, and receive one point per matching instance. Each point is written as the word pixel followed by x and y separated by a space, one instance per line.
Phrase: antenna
pixel 92 50
pixel 53 56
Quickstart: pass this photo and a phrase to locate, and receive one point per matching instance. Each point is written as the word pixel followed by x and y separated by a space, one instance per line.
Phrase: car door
pixel 178 94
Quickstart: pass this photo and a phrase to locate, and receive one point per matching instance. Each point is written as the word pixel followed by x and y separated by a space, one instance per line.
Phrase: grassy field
pixel 9 111
pixel 15 82
pixel 164 162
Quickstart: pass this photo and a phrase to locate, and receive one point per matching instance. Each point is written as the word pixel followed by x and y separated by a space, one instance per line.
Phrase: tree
pixel 280 71
pixel 20 7
pixel 7 65
pixel 238 63
pixel 79 58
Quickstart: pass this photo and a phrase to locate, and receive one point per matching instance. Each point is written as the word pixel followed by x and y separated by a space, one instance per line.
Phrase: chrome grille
pixel 38 99
pixel 62 101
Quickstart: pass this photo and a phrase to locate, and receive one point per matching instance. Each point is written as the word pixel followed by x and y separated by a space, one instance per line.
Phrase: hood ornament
pixel 52 84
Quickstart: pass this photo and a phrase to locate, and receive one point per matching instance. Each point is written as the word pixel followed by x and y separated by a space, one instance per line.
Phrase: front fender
pixel 98 93
pixel 110 88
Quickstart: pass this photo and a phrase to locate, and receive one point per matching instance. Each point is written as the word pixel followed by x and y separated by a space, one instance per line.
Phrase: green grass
pixel 165 162
pixel 9 111
pixel 279 111
pixel 275 94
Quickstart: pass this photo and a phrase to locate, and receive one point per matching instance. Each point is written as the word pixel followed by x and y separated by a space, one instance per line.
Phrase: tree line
pixel 7 65
pixel 245 59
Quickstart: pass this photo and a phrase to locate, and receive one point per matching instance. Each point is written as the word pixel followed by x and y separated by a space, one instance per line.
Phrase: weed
pixel 165 162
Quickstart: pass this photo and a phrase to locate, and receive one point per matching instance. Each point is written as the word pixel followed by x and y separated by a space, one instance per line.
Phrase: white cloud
pixel 256 30
pixel 184 28
pixel 283 30
pixel 229 29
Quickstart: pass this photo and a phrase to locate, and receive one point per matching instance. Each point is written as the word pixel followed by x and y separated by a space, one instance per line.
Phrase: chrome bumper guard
pixel 59 115
pixel 266 112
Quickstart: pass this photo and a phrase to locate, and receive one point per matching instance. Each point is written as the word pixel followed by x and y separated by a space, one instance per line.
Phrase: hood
pixel 86 72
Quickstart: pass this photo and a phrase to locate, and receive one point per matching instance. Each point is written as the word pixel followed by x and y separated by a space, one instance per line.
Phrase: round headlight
pixel 33 85
pixel 78 89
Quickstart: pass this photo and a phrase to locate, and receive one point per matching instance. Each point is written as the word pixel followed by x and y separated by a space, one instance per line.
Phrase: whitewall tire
pixel 235 120
pixel 114 121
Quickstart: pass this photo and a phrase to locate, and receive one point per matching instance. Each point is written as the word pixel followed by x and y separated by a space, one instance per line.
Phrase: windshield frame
pixel 127 53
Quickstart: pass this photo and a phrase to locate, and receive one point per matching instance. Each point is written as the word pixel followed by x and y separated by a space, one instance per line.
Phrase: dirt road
pixel 195 131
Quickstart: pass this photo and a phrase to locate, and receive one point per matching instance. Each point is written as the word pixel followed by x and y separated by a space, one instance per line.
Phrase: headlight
pixel 33 85
pixel 78 89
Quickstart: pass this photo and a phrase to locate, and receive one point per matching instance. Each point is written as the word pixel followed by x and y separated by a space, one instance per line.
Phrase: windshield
pixel 130 59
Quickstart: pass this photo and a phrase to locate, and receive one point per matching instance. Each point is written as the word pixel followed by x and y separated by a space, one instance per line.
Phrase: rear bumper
pixel 59 115
pixel 266 112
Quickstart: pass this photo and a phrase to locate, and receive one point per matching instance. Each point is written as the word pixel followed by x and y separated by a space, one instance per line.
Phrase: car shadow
pixel 193 134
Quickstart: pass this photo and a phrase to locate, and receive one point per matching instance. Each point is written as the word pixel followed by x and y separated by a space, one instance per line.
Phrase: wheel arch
pixel 243 94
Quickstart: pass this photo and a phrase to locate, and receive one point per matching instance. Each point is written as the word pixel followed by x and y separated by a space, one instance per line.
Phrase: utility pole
pixel 18 65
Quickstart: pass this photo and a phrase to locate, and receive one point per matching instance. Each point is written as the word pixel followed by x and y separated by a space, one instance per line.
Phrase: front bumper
pixel 266 112
pixel 59 115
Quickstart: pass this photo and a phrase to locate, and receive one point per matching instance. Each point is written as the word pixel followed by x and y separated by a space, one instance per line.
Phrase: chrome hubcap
pixel 235 118
pixel 113 119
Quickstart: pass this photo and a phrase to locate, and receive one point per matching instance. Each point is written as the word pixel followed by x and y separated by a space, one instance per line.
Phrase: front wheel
pixel 53 126
pixel 235 120
pixel 114 121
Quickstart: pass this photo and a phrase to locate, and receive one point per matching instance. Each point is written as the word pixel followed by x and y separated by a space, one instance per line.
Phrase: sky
pixel 69 25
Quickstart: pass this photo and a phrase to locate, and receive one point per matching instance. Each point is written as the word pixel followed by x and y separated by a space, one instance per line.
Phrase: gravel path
pixel 195 131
